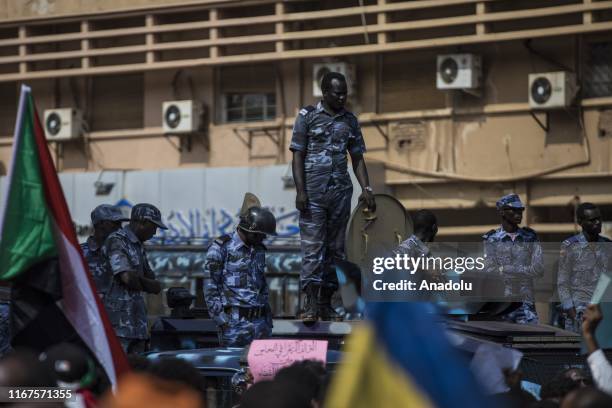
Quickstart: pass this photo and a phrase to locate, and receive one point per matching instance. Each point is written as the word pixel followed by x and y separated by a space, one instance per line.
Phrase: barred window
pixel 249 107
pixel 598 71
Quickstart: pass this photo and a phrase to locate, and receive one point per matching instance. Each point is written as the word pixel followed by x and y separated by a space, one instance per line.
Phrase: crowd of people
pixel 172 382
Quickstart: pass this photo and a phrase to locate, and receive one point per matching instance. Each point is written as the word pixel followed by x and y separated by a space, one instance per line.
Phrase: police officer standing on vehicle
pixel 322 135
pixel 514 253
pixel 235 288
pixel 132 275
pixel 584 257
pixel 105 219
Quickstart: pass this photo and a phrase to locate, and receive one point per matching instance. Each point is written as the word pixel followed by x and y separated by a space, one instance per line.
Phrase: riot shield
pixel 372 234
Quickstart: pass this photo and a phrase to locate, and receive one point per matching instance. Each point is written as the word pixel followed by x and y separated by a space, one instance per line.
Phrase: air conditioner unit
pixel 181 116
pixel 551 90
pixel 458 71
pixel 320 69
pixel 63 124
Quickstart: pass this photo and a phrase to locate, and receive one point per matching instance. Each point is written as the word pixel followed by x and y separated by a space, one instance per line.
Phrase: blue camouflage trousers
pixel 241 332
pixel 525 314
pixel 322 230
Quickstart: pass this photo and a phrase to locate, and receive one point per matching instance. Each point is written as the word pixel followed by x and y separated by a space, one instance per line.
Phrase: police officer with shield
pixel 235 288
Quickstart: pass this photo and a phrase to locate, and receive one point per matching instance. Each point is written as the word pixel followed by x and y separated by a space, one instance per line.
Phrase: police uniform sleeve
pixel 84 248
pixel 563 276
pixel 86 252
pixel 265 297
pixel 148 271
pixel 299 138
pixel 356 144
pixel 535 268
pixel 213 284
pixel 490 260
pixel 117 255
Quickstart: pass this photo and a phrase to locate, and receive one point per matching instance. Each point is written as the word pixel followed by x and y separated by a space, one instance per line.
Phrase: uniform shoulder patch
pixel 306 110
pixel 530 231
pixel 488 234
pixel 223 239
pixel 571 240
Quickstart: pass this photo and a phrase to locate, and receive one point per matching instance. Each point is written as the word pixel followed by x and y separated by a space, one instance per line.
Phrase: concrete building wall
pixel 506 143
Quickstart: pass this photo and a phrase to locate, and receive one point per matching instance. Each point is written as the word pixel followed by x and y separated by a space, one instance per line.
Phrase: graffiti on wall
pixel 191 263
pixel 186 226
pixel 210 223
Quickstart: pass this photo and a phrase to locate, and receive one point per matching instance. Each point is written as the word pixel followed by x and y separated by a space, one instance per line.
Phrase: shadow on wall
pixel 565 127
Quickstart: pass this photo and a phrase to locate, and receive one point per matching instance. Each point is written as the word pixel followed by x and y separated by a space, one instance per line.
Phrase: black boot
pixel 326 311
pixel 309 309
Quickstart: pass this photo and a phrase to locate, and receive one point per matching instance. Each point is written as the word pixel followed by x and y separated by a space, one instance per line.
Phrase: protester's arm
pixel 563 279
pixel 598 363
pixel 213 285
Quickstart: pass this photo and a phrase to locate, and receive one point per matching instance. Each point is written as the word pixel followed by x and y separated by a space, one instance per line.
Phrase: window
pixel 598 71
pixel 249 107
pixel 118 102
pixel 8 108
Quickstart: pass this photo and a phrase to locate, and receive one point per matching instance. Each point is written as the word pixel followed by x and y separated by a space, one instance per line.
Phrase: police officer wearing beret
pixel 132 275
pixel 105 219
pixel 322 135
pixel 235 288
pixel 584 257
pixel 514 253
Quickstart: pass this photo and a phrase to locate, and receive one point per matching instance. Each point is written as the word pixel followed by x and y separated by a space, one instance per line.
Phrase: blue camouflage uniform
pixel 517 261
pixel 126 308
pixel 413 247
pixel 325 138
pixel 97 265
pixel 236 291
pixel 5 335
pixel 92 252
pixel 581 263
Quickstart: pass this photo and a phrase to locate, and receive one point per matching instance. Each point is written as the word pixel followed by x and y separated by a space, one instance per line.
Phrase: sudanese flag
pixel 52 292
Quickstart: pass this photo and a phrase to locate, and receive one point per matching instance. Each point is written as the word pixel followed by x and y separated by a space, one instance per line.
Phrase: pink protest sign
pixel 268 356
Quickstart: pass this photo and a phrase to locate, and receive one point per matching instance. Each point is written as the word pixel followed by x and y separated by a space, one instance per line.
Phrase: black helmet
pixel 257 219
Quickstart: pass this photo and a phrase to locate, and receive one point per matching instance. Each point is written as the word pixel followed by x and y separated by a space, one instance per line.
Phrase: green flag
pixel 26 233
